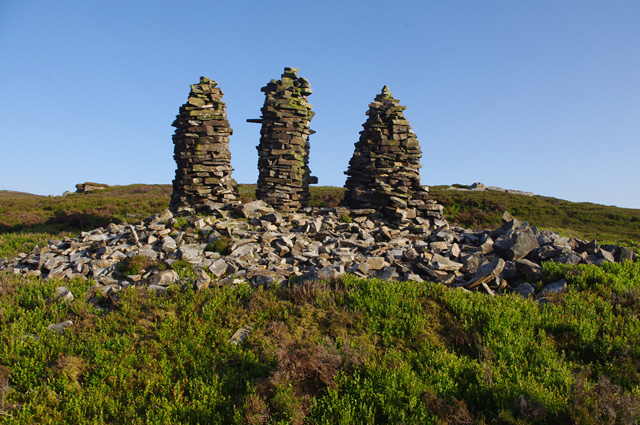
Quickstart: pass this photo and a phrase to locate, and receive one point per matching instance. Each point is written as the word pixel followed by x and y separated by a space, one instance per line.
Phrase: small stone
pixel 218 267
pixel 169 244
pixel 164 278
pixel 240 335
pixel 525 290
pixel 60 327
pixel 63 293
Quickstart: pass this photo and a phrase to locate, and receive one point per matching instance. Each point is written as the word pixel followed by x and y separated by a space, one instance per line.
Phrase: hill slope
pixel 26 219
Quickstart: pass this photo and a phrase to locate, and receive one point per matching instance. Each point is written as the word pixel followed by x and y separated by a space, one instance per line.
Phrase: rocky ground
pixel 265 246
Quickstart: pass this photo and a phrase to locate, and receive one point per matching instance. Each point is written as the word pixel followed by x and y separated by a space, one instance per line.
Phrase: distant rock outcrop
pixel 90 187
pixel 481 187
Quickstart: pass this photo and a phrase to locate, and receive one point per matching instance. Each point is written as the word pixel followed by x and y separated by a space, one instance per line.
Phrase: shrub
pixel 220 245
pixel 135 264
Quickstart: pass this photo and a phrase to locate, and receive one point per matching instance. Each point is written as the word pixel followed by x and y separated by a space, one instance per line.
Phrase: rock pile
pixel 283 152
pixel 269 247
pixel 384 171
pixel 203 174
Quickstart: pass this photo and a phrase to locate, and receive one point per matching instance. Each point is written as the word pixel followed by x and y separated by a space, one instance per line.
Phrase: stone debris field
pixel 314 244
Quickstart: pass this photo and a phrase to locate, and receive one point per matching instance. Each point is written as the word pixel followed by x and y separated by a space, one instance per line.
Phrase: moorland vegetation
pixel 346 351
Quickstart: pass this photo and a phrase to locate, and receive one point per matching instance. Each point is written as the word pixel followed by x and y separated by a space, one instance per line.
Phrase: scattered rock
pixel 202 280
pixel 526 290
pixel 529 269
pixel 310 245
pixel 164 278
pixel 60 327
pixel 486 273
pixel 63 294
pixel 240 335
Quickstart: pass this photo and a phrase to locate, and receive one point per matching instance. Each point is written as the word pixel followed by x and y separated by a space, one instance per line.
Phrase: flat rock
pixel 486 273
pixel 439 262
pixel 218 267
pixel 157 289
pixel 331 272
pixel 191 253
pixel 376 263
pixel 254 209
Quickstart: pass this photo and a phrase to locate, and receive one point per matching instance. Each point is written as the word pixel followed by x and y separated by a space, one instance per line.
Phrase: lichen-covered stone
pixel 283 152
pixel 203 176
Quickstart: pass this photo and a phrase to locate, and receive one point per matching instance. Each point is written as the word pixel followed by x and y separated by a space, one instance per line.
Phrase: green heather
pixel 350 351
pixel 584 220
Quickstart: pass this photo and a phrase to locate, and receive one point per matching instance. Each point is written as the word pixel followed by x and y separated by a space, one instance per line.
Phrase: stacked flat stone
pixel 283 152
pixel 203 176
pixel 384 172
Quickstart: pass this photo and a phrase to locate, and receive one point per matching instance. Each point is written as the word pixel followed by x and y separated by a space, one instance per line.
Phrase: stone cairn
pixel 203 177
pixel 283 152
pixel 384 172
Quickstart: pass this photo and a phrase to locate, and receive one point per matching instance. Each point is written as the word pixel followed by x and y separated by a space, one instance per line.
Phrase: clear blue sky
pixel 541 96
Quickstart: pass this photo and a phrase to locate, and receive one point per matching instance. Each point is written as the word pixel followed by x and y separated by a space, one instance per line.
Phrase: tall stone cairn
pixel 384 172
pixel 283 152
pixel 203 177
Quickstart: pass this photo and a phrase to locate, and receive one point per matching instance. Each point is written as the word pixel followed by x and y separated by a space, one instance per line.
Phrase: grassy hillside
pixel 343 352
pixel 349 351
pixel 589 221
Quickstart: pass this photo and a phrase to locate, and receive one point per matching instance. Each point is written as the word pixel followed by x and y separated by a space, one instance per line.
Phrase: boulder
pixel 525 290
pixel 529 269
